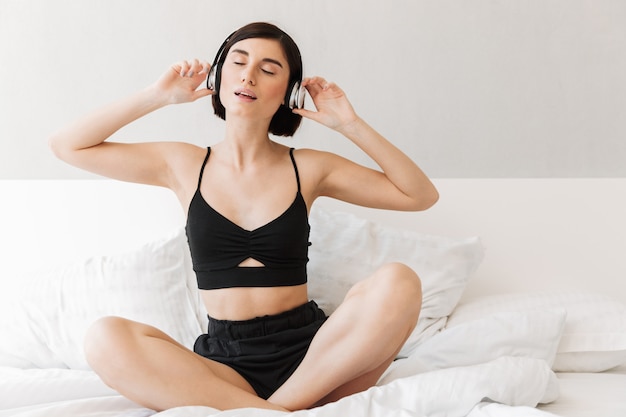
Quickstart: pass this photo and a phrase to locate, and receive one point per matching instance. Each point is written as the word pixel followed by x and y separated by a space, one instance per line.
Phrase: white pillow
pixel 44 316
pixel 346 249
pixel 533 334
pixel 594 336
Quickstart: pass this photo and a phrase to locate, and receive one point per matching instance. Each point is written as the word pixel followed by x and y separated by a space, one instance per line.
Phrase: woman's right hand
pixel 179 84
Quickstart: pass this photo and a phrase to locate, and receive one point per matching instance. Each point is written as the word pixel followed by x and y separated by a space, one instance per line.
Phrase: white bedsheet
pixel 33 387
pixel 517 384
pixel 590 395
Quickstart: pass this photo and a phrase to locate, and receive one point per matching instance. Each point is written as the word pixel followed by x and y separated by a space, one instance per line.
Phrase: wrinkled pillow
pixel 532 334
pixel 346 249
pixel 455 391
pixel 45 315
pixel 594 336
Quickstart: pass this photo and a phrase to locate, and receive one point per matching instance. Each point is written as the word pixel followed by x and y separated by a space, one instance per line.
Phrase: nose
pixel 248 77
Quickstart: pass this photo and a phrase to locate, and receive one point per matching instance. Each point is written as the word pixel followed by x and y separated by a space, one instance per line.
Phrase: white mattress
pixel 590 395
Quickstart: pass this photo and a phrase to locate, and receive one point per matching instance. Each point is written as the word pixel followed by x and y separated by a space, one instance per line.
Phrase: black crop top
pixel 218 245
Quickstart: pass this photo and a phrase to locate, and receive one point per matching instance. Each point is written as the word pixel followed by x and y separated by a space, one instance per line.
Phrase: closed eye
pixel 267 65
pixel 266 71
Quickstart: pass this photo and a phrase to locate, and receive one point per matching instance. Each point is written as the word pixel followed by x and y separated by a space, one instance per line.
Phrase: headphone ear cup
pixel 296 96
pixel 210 79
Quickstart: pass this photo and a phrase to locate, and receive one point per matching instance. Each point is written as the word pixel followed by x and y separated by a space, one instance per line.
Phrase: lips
pixel 245 93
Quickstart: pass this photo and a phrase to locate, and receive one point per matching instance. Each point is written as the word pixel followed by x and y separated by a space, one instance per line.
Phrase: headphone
pixel 294 99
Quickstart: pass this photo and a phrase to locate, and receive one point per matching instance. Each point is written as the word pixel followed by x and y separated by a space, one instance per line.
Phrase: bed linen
pixel 515 383
pixel 580 333
pixel 63 392
pixel 585 394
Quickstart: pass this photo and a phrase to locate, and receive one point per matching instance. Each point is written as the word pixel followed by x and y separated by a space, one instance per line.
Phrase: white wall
pixel 475 88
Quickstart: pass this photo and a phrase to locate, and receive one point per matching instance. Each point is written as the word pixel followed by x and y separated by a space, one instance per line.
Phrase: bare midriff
pixel 243 303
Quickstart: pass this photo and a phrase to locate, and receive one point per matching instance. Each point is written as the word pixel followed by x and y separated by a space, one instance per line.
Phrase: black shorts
pixel 264 350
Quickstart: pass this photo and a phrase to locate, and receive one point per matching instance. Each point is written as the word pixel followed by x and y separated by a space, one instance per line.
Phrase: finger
pixel 205 67
pixel 183 68
pixel 202 93
pixel 314 82
pixel 324 84
pixel 194 67
pixel 197 67
pixel 314 85
pixel 309 114
pixel 317 85
pixel 191 68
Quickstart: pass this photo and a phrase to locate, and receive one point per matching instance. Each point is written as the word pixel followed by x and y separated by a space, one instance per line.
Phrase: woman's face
pixel 254 78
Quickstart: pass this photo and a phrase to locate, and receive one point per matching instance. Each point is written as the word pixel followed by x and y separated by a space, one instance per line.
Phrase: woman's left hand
pixel 333 108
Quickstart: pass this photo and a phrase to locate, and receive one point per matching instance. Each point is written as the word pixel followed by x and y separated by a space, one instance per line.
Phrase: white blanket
pixel 507 386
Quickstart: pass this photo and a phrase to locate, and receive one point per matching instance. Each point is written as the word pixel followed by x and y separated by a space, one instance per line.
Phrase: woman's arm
pixel 82 143
pixel 400 186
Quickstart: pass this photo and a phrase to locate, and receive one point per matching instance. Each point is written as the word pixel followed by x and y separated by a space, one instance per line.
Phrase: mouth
pixel 246 94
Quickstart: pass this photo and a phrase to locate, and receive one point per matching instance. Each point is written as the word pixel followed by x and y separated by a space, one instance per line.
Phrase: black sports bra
pixel 218 245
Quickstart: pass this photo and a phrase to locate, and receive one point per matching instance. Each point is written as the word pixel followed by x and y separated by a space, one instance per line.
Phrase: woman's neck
pixel 246 129
pixel 245 143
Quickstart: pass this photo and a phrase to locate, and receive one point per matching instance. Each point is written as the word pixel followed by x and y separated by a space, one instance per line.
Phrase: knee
pixel 103 342
pixel 398 288
pixel 399 279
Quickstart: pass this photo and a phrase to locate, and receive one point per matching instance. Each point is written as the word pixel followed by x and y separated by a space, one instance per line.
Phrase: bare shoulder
pixel 319 163
pixel 310 161
pixel 314 167
pixel 314 156
pixel 185 162
pixel 182 156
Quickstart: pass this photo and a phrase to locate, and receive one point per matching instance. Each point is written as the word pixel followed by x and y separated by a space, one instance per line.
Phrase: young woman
pixel 247 200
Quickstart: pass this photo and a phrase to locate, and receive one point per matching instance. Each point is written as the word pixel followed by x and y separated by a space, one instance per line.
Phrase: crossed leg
pixel 358 341
pixel 149 367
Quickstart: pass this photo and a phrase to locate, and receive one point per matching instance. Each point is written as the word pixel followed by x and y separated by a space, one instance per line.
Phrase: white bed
pixel 524 308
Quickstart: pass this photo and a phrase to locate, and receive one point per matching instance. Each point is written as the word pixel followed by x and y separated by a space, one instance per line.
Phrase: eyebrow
pixel 270 60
